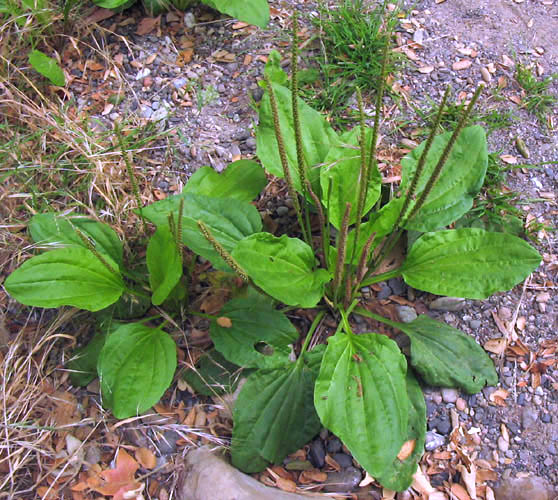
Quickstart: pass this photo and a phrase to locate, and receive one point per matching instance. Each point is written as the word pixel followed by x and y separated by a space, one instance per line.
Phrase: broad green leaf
pixel 399 475
pixel 273 416
pixel 241 180
pixel 274 70
pixel 214 375
pixel 48 67
pixel 282 267
pixel 164 263
pixel 229 221
pixel 60 231
pixel 66 277
pixel 317 138
pixel 460 181
pixel 342 169
pixel 83 364
pixel 470 263
pixel 447 357
pixel 250 11
pixel 135 367
pixel 113 4
pixel 361 396
pixel 254 324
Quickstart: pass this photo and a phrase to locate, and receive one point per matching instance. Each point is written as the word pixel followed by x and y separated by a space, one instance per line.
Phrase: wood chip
pixel 147 25
pixel 461 64
pixel 224 322
pixel 459 492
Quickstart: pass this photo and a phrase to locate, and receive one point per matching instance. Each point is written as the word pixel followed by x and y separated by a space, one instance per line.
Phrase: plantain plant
pixel 360 386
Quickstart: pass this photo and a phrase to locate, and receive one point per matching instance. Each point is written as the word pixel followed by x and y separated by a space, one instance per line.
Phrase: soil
pixel 208 101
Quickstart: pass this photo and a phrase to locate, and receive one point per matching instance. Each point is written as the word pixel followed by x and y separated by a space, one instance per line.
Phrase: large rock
pixel 526 488
pixel 207 476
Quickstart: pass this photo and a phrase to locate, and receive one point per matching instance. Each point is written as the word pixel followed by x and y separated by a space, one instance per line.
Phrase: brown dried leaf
pixel 312 476
pixel 285 484
pixel 461 64
pixel 509 159
pixel 497 346
pixel 147 25
pixel 146 458
pixel 459 492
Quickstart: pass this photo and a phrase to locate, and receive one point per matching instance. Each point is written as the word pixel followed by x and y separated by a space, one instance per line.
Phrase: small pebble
pixel 343 460
pixel 334 445
pixel 449 395
pixel 317 453
pixel 475 324
pixel 406 313
pixel 460 404
pixel 433 441
pixel 344 480
pixel 448 304
pixel 546 418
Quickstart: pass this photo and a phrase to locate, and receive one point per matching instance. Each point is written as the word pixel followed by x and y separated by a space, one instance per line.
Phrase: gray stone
pixel 146 112
pixel 448 304
pixel 334 445
pixel 207 476
pixel 433 441
pixel 180 82
pixel 397 285
pixel 475 324
pixel 167 444
pixel 546 418
pixel 385 291
pixel 344 480
pixel 444 425
pixel 250 143
pixel 552 449
pixel 282 210
pixel 317 453
pixel 92 455
pixel 160 114
pixel 528 488
pixel 406 313
pixel 343 459
pixel 449 395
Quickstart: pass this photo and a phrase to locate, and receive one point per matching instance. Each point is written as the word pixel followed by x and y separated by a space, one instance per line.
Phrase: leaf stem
pixel 311 331
pixel 381 277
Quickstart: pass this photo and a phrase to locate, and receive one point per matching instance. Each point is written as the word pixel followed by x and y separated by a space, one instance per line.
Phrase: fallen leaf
pixel 146 458
pixel 184 57
pixel 99 15
pixel 421 483
pixel 461 64
pixel 223 56
pixel 224 322
pixel 285 484
pixel 498 397
pixel 368 479
pixel 147 25
pixel 509 159
pixel 469 477
pixel 497 346
pixel 121 477
pixel 515 99
pixel 460 492
pixel 312 476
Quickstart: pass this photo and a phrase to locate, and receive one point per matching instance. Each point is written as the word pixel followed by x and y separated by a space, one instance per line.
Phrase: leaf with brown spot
pixel 224 322
pixel 406 450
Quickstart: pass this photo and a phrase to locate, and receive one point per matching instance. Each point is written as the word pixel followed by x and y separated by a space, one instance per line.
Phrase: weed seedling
pixel 537 100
